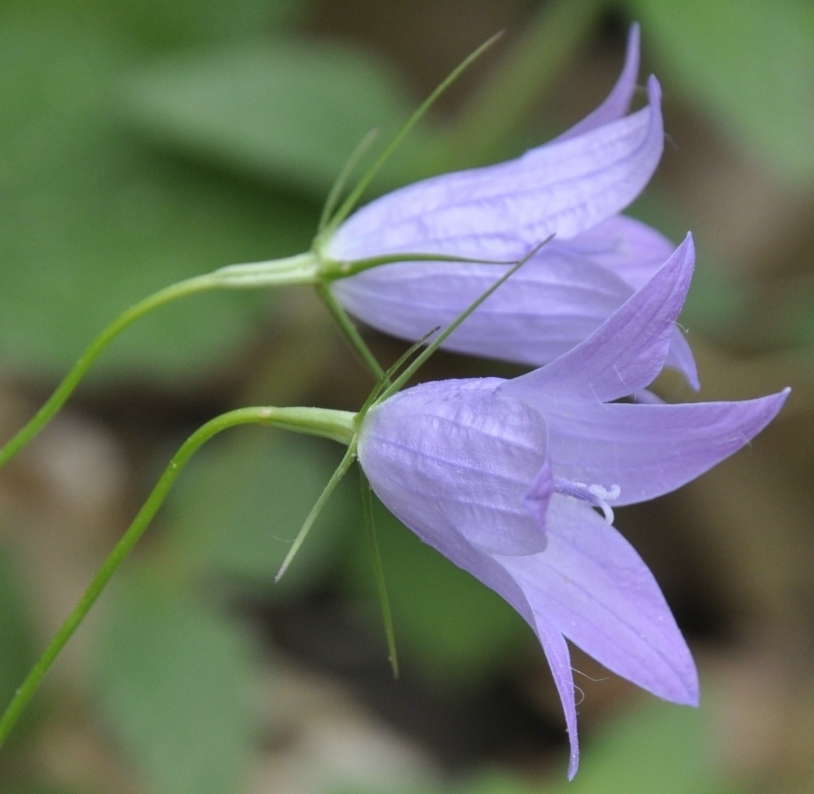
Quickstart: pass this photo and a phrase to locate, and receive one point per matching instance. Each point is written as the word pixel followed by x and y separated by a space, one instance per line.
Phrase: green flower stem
pixel 336 425
pixel 293 270
pixel 502 102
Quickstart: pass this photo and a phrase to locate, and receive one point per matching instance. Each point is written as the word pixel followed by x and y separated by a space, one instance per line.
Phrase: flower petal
pixel 559 660
pixel 627 247
pixel 502 211
pixel 680 357
pixel 618 101
pixel 454 462
pixel 649 449
pixel 539 495
pixel 595 589
pixel 550 305
pixel 626 352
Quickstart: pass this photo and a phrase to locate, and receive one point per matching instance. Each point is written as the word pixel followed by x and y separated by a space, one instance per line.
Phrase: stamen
pixel 594 495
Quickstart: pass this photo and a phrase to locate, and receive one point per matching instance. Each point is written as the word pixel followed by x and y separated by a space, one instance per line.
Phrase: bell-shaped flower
pixel 505 477
pixel 572 188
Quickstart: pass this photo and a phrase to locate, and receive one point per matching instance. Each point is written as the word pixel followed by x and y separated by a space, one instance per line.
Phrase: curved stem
pixel 298 269
pixel 83 364
pixel 338 425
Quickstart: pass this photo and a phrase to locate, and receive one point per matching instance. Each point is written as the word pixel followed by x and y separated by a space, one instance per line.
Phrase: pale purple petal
pixel 680 357
pixel 550 305
pixel 627 352
pixel 493 573
pixel 596 590
pixel 648 450
pixel 625 246
pixel 451 459
pixel 559 660
pixel 618 101
pixel 502 211
pixel 538 497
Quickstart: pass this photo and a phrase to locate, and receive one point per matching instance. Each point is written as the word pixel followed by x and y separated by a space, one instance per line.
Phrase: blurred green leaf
pixel 17 654
pixel 41 790
pixel 181 23
pixel 173 682
pixel 241 505
pixel 139 26
pixel 750 62
pixel 659 748
pixel 93 221
pixel 290 110
pixel 459 630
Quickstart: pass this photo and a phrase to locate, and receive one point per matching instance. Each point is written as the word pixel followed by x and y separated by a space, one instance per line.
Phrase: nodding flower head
pixel 505 478
pixel 572 188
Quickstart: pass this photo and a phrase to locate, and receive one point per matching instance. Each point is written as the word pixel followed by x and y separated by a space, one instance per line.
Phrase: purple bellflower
pixel 573 188
pixel 504 477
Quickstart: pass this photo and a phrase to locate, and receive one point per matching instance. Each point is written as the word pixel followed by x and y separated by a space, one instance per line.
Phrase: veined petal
pixel 501 211
pixel 555 301
pixel 539 495
pixel 618 101
pixel 492 572
pixel 550 305
pixel 626 353
pixel 454 462
pixel 649 449
pixel 596 590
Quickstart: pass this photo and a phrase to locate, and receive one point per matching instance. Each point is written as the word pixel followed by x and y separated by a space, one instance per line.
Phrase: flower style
pixel 502 477
pixel 573 188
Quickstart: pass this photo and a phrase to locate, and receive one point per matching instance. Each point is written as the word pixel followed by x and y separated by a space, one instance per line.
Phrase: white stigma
pixel 603 496
pixel 595 495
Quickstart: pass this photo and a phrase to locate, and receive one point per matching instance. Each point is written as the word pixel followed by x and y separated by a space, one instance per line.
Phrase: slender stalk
pixel 292 270
pixel 336 478
pixel 338 425
pixel 344 175
pixel 354 196
pixel 351 332
pixel 378 570
pixel 83 364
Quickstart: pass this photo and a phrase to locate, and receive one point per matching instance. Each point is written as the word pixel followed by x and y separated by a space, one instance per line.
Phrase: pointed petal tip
pixel 632 52
pixel 778 401
pixel 654 91
pixel 690 694
pixel 686 363
pixel 573 765
pixel 770 406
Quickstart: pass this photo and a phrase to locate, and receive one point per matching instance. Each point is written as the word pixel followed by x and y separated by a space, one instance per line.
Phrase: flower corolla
pixel 506 478
pixel 572 188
